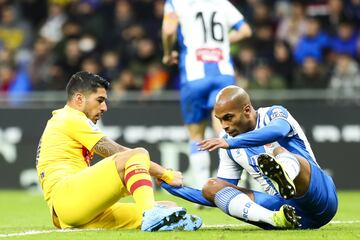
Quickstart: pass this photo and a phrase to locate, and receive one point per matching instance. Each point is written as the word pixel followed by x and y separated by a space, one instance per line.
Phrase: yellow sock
pixel 138 181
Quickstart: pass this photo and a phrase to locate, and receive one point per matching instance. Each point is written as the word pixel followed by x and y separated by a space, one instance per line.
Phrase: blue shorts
pixel 316 208
pixel 197 98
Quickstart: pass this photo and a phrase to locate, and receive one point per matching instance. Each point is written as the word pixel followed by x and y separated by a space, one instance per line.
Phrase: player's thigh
pixel 319 204
pixel 193 100
pixel 219 83
pixel 118 216
pixel 79 198
pixel 271 202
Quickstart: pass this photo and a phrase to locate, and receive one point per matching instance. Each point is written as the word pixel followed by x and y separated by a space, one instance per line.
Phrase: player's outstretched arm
pixel 106 147
pixel 213 144
pixel 274 131
pixel 187 193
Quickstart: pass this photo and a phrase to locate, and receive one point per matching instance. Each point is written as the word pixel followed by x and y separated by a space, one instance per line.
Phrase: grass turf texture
pixel 22 211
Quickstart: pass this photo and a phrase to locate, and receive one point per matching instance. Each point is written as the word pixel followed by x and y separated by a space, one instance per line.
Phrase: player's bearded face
pixel 233 120
pixel 95 104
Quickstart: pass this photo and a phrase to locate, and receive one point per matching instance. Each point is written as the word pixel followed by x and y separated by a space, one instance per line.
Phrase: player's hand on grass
pixel 212 144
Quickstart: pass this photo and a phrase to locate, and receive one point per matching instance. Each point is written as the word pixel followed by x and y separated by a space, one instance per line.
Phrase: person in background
pixel 204 31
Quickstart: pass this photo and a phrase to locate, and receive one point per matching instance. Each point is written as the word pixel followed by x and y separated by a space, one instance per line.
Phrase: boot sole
pixel 273 170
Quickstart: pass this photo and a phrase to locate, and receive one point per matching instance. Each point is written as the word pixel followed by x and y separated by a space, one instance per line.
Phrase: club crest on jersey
pixel 88 155
pixel 278 113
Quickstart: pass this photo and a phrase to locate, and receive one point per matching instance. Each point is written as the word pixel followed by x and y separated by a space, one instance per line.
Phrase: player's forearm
pixel 187 193
pixel 244 32
pixel 168 32
pixel 268 134
pixel 106 147
pixel 156 170
pixel 168 41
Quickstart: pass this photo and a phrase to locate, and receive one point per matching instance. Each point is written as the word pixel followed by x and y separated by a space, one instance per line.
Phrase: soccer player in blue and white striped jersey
pixel 204 30
pixel 270 145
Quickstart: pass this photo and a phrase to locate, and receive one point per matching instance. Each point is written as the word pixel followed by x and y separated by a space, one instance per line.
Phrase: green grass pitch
pixel 23 215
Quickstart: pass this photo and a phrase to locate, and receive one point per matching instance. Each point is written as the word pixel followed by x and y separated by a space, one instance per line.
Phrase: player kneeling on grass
pixel 270 145
pixel 84 196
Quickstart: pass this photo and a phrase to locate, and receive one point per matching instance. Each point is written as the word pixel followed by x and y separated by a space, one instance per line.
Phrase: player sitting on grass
pixel 84 196
pixel 270 145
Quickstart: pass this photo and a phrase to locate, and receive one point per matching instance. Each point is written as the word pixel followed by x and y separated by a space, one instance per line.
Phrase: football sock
pixel 237 204
pixel 199 166
pixel 138 181
pixel 290 163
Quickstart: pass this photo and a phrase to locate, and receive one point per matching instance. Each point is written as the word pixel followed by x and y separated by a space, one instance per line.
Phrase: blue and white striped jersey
pixel 233 161
pixel 203 36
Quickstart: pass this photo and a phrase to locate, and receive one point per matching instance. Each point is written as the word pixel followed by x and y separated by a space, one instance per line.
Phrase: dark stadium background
pixel 43 42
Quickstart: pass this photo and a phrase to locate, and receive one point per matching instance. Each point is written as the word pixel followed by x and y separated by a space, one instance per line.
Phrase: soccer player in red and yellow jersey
pixel 81 195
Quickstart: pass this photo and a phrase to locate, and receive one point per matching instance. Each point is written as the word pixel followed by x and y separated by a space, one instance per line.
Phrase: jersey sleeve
pixel 277 112
pixel 234 18
pixel 228 168
pixel 84 131
pixel 278 127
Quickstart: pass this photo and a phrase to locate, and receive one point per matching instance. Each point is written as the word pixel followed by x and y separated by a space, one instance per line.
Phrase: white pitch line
pixel 212 226
pixel 36 232
pixel 244 224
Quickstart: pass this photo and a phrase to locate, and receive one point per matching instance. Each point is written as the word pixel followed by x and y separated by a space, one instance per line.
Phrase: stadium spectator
pixel 269 144
pixel 311 75
pixel 15 34
pixel 346 75
pixel 144 55
pixel 283 63
pixel 84 196
pixel 244 63
pixel 205 64
pixel 13 80
pixel 263 41
pixel 292 26
pixel 346 40
pixel 56 78
pixel 264 78
pixel 90 64
pixel 52 27
pixel 126 28
pixel 111 62
pixel 313 43
pixel 7 77
pixel 155 79
pixel 40 63
pixel 262 13
pixel 71 60
pixel 335 15
pixel 87 13
pixel 123 85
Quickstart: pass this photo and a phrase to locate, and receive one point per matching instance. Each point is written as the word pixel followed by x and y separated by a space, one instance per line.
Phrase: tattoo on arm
pixel 106 147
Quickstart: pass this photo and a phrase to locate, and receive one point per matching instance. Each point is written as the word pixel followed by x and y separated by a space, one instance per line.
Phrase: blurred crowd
pixel 295 44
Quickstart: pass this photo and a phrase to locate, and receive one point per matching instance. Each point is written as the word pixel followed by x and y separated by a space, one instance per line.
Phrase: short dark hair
pixel 85 82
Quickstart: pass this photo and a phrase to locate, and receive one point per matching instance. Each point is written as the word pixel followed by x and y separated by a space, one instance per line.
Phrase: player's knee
pixel 279 150
pixel 140 150
pixel 211 187
pixel 138 155
pixel 134 155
